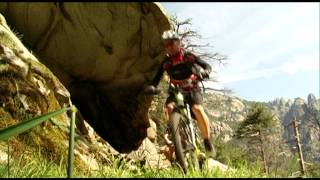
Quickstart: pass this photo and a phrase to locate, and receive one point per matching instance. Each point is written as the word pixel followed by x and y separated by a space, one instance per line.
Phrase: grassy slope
pixel 38 167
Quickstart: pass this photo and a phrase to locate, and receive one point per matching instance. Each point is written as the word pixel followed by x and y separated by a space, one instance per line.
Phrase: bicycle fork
pixel 191 127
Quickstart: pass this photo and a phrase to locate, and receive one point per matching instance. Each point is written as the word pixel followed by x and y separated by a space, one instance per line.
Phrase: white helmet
pixel 169 34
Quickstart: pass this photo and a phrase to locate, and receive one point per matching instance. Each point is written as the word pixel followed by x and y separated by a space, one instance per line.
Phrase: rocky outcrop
pixel 29 89
pixel 307 115
pixel 103 53
pixel 225 112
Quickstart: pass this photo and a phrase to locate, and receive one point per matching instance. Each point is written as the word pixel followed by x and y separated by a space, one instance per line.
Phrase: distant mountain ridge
pixel 227 111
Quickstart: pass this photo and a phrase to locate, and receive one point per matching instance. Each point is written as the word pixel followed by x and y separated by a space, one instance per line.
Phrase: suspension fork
pixel 191 126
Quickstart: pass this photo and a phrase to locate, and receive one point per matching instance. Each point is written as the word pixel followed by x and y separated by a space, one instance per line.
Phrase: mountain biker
pixel 180 66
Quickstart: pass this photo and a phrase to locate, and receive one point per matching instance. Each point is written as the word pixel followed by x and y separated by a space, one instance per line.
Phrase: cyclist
pixel 180 66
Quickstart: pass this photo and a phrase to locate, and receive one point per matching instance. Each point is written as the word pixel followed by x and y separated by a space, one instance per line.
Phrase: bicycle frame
pixel 184 109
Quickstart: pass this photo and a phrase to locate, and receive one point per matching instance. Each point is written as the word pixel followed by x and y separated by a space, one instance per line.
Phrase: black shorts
pixel 192 97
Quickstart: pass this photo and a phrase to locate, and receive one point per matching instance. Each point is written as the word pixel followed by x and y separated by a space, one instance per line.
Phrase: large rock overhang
pixel 103 53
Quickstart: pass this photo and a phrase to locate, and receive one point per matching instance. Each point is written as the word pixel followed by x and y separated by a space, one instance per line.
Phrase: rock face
pixel 307 114
pixel 225 113
pixel 103 53
pixel 29 89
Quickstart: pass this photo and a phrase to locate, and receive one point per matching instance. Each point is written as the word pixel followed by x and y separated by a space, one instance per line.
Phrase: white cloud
pixel 296 64
pixel 293 28
pixel 214 85
pixel 249 75
pixel 276 34
pixel 300 63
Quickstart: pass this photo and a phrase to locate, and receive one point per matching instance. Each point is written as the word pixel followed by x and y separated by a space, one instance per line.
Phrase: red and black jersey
pixel 180 68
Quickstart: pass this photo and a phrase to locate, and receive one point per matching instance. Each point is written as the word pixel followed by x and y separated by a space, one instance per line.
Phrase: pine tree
pixel 257 126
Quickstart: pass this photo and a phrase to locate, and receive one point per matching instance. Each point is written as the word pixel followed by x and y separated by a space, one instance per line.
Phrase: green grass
pixel 33 168
pixel 36 167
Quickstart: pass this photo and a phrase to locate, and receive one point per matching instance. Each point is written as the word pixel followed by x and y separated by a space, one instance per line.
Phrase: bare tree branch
pixel 190 40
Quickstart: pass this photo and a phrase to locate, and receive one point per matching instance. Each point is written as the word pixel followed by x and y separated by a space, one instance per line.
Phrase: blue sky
pixel 273 48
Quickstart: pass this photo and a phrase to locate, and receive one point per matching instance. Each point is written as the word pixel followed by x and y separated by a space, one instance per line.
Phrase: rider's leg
pixel 204 126
pixel 169 108
pixel 202 121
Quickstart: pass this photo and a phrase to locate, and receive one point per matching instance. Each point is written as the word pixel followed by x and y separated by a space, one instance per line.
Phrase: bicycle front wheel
pixel 184 149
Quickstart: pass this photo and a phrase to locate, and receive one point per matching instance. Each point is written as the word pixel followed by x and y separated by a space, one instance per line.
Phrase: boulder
pixel 28 89
pixel 211 164
pixel 103 53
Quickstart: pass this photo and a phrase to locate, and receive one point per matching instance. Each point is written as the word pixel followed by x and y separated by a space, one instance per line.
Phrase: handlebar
pixel 201 73
pixel 152 90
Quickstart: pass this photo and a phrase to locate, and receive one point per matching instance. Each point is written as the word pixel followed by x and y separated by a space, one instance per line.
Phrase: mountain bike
pixel 182 130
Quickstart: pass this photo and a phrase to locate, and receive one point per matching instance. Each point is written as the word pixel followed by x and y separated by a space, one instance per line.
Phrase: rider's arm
pixel 203 64
pixel 159 74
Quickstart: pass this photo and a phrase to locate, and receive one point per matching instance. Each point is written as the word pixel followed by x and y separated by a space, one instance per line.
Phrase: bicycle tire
pixel 194 154
pixel 174 129
pixel 178 141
